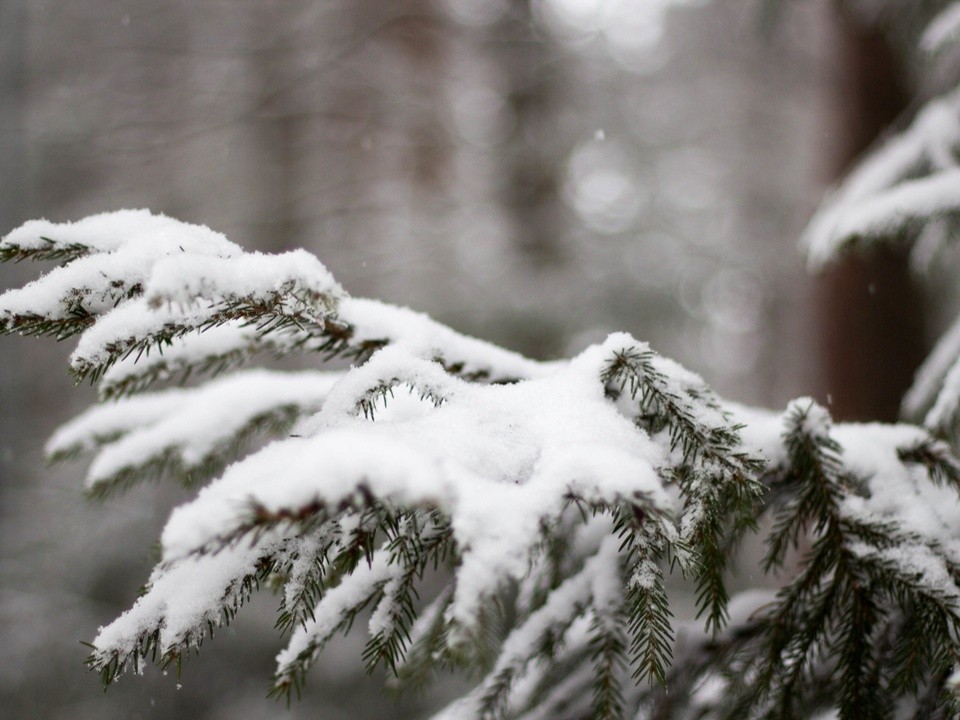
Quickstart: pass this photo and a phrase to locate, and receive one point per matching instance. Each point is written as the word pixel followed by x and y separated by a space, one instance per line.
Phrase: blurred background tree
pixel 536 172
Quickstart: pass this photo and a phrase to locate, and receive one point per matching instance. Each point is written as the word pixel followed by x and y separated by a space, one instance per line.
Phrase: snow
pixel 815 422
pixel 305 552
pixel 424 337
pixel 762 432
pixel 192 424
pixel 746 606
pixel 500 461
pixel 186 274
pixel 130 245
pixel 232 340
pixel 917 562
pixel 133 243
pixel 564 604
pixel 918 505
pixel 928 381
pixel 869 451
pixel 111 231
pixel 942 30
pixel 104 423
pixel 182 597
pixel 126 325
pixel 565 617
pixel 257 276
pixel 709 690
pixel 912 177
pixel 427 619
pixel 390 366
pixel 382 617
pixel 97 282
pixel 943 414
pixel 953 682
pixel 886 212
pixel 188 277
pixel 893 491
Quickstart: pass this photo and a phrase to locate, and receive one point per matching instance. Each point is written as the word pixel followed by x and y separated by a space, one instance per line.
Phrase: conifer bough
pixel 480 510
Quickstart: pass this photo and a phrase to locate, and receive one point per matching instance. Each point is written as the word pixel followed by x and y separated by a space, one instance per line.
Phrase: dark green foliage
pixel 718 477
pixel 53 250
pixel 862 617
pixel 608 647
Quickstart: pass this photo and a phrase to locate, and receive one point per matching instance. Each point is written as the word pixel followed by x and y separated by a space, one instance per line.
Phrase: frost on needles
pixel 474 509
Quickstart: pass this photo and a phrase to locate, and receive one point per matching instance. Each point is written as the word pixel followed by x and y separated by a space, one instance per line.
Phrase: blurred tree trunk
pixel 870 311
pixel 531 186
pixel 279 127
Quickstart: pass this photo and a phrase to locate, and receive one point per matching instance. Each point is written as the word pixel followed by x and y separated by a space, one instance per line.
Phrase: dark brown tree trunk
pixel 870 311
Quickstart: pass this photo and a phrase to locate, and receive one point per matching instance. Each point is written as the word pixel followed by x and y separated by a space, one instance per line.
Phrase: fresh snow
pixel 121 328
pixel 928 383
pixel 423 336
pixel 255 275
pixel 131 244
pixel 183 597
pixel 230 343
pixel 111 231
pixel 943 415
pixel 942 30
pixel 193 425
pixel 885 213
pixel 353 590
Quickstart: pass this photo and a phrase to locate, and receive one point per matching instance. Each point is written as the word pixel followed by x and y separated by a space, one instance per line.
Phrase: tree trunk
pixel 870 311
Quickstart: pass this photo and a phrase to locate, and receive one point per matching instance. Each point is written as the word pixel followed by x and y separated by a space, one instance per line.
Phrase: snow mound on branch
pixel 124 247
pixel 896 190
pixel 423 336
pixel 251 275
pixel 110 231
pixel 192 423
pixel 943 30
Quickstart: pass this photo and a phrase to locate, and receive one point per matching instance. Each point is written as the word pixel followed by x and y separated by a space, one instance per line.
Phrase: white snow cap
pixel 183 279
pixel 109 231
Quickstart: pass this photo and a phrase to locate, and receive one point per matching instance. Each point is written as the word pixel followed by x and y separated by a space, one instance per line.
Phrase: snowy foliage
pixel 479 509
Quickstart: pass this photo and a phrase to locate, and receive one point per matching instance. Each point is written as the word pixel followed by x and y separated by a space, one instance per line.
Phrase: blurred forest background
pixel 534 172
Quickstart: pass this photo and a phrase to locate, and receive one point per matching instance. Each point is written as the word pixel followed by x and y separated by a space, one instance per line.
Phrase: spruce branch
pixel 717 475
pixel 336 612
pixel 936 458
pixel 303 576
pixel 863 584
pixel 157 632
pixel 608 647
pixel 189 435
pixel 48 249
pixel 416 541
pixel 169 461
